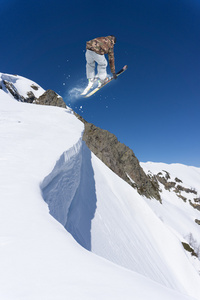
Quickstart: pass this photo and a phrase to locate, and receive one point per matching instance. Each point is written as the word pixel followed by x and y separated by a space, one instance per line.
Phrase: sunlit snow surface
pixel 39 259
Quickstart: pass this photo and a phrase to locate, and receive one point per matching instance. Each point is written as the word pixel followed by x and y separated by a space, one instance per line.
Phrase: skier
pixel 95 53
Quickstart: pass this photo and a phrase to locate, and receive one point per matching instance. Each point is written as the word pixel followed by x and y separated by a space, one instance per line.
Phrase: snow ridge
pixel 60 186
pixel 69 191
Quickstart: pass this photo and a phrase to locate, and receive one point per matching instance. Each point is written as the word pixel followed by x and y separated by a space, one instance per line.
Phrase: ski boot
pixel 91 82
pixel 102 81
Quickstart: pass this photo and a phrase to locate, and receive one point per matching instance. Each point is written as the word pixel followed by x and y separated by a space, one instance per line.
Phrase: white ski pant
pixel 91 58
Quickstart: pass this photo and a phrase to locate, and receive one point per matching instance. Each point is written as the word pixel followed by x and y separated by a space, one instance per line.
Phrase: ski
pixel 98 88
pixel 89 87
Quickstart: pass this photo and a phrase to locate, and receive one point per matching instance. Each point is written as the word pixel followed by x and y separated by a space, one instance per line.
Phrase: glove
pixel 114 76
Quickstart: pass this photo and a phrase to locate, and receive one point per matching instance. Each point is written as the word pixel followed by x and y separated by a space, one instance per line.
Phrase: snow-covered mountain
pixel 58 199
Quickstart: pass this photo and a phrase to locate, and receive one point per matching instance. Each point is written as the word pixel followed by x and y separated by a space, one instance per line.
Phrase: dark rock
pixel 167 184
pixel 13 91
pixel 30 97
pixel 178 180
pixel 196 206
pixel 35 87
pixel 183 198
pixel 51 98
pixel 167 175
pixel 197 221
pixel 197 199
pixel 188 248
pixel 120 159
pixel 80 118
pixel 181 188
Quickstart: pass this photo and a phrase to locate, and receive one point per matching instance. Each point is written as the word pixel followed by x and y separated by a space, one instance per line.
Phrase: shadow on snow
pixel 69 191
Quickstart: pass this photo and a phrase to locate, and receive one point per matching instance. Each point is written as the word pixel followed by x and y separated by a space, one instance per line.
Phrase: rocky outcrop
pixel 30 97
pixel 34 87
pixel 194 205
pixel 188 248
pixel 197 221
pixel 51 98
pixel 120 159
pixel 174 186
pixel 13 91
pixel 10 87
pixel 167 184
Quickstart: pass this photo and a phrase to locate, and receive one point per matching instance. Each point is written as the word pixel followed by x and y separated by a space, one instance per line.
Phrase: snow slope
pixel 178 214
pixel 42 157
pixel 22 85
pixel 135 237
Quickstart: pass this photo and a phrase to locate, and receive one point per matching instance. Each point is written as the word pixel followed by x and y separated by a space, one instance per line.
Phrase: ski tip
pixel 125 67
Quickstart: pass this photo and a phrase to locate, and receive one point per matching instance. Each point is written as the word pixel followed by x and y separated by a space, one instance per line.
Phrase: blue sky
pixel 154 106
